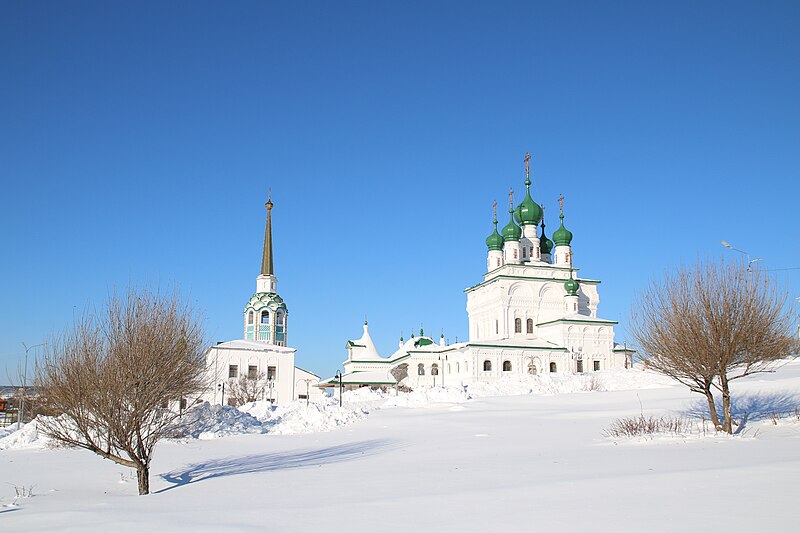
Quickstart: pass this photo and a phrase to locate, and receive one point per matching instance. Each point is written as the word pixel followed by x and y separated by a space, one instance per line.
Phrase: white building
pixel 530 314
pixel 263 353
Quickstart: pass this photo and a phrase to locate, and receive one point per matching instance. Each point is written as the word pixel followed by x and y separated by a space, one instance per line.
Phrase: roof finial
pixel 561 202
pixel 511 198
pixel 527 168
pixel 494 210
pixel 543 217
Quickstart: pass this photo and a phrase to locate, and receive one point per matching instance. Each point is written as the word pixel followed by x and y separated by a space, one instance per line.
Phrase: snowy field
pixel 534 459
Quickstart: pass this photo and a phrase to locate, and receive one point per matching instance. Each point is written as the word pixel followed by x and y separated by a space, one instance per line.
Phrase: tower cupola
pixel 511 232
pixel 562 236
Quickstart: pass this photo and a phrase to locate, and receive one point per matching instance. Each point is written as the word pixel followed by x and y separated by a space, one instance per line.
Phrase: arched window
pixel 458 367
pixel 265 317
pixel 524 251
pixel 552 367
pixel 517 325
pixel 506 366
pixel 487 366
pixel 434 369
pixel 530 325
pixel 279 318
pixel 420 369
pixel 250 317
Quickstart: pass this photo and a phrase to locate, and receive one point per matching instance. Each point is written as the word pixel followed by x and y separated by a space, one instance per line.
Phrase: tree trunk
pixel 726 404
pixel 143 476
pixel 712 409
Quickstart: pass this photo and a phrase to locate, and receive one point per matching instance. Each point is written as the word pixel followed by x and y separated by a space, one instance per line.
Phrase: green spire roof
pixel 266 255
pixel 562 236
pixel 528 212
pixel 511 231
pixel 571 285
pixel 495 240
pixel 545 244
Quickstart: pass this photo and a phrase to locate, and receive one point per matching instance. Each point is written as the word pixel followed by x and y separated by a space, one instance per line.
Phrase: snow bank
pixel 207 421
pixel 297 417
pixel 26 437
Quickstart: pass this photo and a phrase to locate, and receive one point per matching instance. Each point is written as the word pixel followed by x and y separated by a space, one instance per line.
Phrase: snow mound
pixel 26 437
pixel 207 421
pixel 298 417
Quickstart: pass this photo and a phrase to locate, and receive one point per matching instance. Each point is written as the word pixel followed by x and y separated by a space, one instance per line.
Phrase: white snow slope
pixel 442 460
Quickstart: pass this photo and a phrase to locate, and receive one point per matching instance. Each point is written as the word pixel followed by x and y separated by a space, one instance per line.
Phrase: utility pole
pixel 25 383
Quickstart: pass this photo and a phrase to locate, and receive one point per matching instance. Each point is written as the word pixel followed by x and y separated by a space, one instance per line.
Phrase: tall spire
pixel 266 257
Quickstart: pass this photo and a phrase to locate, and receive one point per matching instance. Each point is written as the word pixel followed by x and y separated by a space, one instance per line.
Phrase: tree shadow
pixel 9 510
pixel 748 407
pixel 249 464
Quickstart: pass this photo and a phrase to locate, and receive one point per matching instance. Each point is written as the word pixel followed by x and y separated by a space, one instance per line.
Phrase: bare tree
pixel 110 376
pixel 712 323
pixel 248 389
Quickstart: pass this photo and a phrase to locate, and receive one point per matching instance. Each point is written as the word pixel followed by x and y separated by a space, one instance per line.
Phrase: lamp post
pixel 308 385
pixel 339 377
pixel 221 386
pixel 750 262
pixel 25 383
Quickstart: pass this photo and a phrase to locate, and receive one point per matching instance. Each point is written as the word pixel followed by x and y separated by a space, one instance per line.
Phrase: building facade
pixel 262 355
pixel 531 314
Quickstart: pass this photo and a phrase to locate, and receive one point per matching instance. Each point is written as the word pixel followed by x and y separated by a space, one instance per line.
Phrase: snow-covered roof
pixel 578 319
pixel 529 341
pixel 365 348
pixel 365 377
pixel 255 346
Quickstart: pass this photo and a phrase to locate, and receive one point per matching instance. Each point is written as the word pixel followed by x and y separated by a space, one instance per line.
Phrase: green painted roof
pixel 495 240
pixel 545 244
pixel 528 213
pixel 511 232
pixel 562 236
pixel 572 285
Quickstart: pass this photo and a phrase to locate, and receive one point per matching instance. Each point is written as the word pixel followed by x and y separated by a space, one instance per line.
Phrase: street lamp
pixel 750 262
pixel 339 377
pixel 308 384
pixel 25 383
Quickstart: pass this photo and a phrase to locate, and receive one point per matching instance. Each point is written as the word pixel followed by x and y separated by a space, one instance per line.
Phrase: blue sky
pixel 138 142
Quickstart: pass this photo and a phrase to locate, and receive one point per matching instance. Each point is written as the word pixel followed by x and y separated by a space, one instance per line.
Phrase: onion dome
pixel 562 236
pixel 528 212
pixel 495 240
pixel 545 244
pixel 572 285
pixel 511 231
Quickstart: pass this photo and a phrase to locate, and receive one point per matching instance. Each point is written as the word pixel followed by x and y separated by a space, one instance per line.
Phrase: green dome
pixel 511 231
pixel 495 240
pixel 571 285
pixel 545 244
pixel 528 212
pixel 562 236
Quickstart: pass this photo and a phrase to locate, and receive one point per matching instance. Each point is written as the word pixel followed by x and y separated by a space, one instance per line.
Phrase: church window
pixel 420 369
pixel 498 261
pixel 233 371
pixel 279 318
pixel 497 326
pixel 517 325
pixel 250 317
pixel 579 367
pixel 506 366
pixel 532 370
pixel 597 365
pixel 271 371
pixel 487 366
pixel 252 372
pixel 529 325
pixel 458 367
pixel 434 369
pixel 552 367
pixel 524 251
pixel 515 253
pixel 265 317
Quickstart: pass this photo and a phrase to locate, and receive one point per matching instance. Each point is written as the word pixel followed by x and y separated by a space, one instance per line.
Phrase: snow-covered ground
pixel 534 458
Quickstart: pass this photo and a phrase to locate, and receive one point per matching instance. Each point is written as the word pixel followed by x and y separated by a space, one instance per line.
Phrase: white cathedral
pixel 531 314
pixel 263 352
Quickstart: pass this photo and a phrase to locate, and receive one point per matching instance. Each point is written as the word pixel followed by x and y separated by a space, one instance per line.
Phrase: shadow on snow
pixel 750 407
pixel 249 464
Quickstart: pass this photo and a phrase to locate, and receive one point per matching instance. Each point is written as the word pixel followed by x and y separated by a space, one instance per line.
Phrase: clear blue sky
pixel 138 141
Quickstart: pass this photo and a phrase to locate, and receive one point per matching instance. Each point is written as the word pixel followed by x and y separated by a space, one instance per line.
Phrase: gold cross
pixel 494 208
pixel 511 198
pixel 527 165
pixel 561 202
